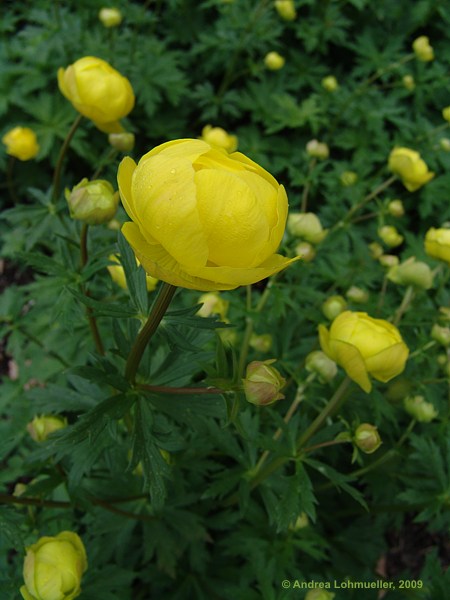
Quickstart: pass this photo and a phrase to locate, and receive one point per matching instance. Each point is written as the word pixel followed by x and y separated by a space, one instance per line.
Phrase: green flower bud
pixel 124 142
pixel 262 383
pixel 110 17
pixel 441 335
pixel 53 568
pixel 412 272
pixel 408 82
pixel 445 144
pixel 318 362
pixel 348 178
pixel 390 236
pixel 396 208
pixel 274 61
pixel 417 407
pixel 367 438
pixel 330 83
pixel 357 295
pixel 388 260
pixel 317 149
pixel 306 226
pixel 41 427
pixel 333 306
pixel 376 250
pixel 261 343
pixel 301 522
pixel 306 251
pixel 93 202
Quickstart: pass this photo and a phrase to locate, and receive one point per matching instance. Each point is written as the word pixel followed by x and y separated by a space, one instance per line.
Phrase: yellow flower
pixel 110 17
pixel 21 142
pixel 53 568
pixel 437 244
pixel 202 219
pixel 446 113
pixel 390 236
pixel 41 427
pixel 330 83
pixel 364 346
pixel 422 49
pixel 98 92
pixel 411 169
pixel 274 61
pixel 219 138
pixel 286 9
pixel 94 202
pixel 118 275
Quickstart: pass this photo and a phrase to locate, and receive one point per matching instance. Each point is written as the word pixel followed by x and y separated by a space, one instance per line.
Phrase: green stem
pixel 62 153
pixel 305 194
pixel 163 389
pixel 407 299
pixel 108 158
pixel 157 312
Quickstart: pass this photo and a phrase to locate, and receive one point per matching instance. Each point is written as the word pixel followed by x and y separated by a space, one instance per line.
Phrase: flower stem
pixel 407 299
pixel 157 312
pixel 163 389
pixel 89 313
pixel 368 198
pixel 62 153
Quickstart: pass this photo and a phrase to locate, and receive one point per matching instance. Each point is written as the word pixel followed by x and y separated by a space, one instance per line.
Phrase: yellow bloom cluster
pixel 410 167
pixel 21 142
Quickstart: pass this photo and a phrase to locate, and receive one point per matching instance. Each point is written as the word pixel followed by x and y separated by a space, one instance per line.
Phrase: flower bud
pixel 318 362
pixel 408 82
pixel 213 304
pixel 410 167
pixel 219 138
pixel 301 522
pixel 124 142
pixel 118 274
pixel 388 260
pixel 395 208
pixel 422 49
pixel 446 113
pixel 53 568
pixel 333 306
pixel 317 149
pixel 306 251
pixel 41 427
pixel 419 409
pixel 445 144
pixel 437 244
pixel 286 9
pixel 306 226
pixel 367 438
pixel 376 250
pixel 261 343
pixel 21 142
pixel 319 594
pixel 19 489
pixel 441 335
pixel 262 383
pixel 330 83
pixel 228 336
pixel 390 236
pixel 274 61
pixel 412 272
pixel 93 202
pixel 110 17
pixel 357 295
pixel 348 178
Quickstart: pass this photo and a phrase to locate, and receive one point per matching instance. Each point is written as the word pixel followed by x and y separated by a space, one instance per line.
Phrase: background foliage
pixel 191 522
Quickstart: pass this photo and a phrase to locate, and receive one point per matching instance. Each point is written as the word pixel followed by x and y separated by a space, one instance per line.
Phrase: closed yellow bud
pixel 301 522
pixel 118 274
pixel 334 306
pixel 330 83
pixel 357 295
pixel 110 17
pixel 437 244
pixel 408 82
pixel 124 141
pixel 21 142
pixel 53 568
pixel 348 178
pixel 412 272
pixel 94 202
pixel 274 61
pixel 446 113
pixel 367 438
pixel 262 383
pixel 364 346
pixel 419 409
pixel 305 251
pixel 306 226
pixel 261 343
pixel 409 166
pixel 441 335
pixel 317 149
pixel 213 304
pixel 445 144
pixel 388 260
pixel 390 236
pixel 98 92
pixel 41 427
pixel 376 250
pixel 422 49
pixel 217 137
pixel 319 363
pixel 395 208
pixel 203 219
pixel 286 9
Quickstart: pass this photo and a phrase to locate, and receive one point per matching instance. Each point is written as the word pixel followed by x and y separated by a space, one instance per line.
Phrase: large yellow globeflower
pixel 364 346
pixel 97 91
pixel 202 219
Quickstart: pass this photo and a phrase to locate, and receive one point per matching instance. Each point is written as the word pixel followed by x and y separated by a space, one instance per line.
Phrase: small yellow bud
pixel 333 306
pixel 110 17
pixel 441 335
pixel 317 149
pixel 274 61
pixel 348 178
pixel 410 167
pixel 286 9
pixel 19 489
pixel 219 138
pixel 412 272
pixel 437 244
pixel 367 438
pixel 93 202
pixel 21 142
pixel 357 295
pixel 422 49
pixel 306 226
pixel 118 274
pixel 261 343
pixel 213 304
pixel 396 208
pixel 376 250
pixel 41 427
pixel 124 142
pixel 408 82
pixel 330 83
pixel 446 113
pixel 319 363
pixel 388 260
pixel 390 236
pixel 417 407
pixel 445 144
pixel 262 383
pixel 306 251
pixel 301 522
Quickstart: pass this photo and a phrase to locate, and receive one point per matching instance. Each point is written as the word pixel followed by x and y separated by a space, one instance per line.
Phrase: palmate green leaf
pixel 102 309
pixel 57 399
pixel 297 496
pixel 10 531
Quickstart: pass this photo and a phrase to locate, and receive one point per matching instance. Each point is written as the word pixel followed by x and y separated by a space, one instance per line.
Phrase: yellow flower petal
pixel 350 359
pixel 385 365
